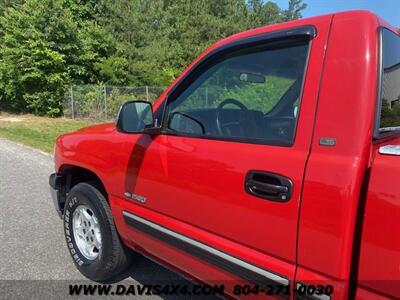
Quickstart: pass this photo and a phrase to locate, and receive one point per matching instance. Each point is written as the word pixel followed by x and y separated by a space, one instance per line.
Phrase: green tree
pixel 4 4
pixel 262 14
pixel 159 38
pixel 46 45
pixel 37 56
pixel 294 10
pixel 43 49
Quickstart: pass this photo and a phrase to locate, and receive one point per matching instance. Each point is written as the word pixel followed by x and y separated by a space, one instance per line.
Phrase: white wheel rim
pixel 87 233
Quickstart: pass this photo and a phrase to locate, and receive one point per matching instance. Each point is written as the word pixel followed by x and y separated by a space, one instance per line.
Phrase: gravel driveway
pixel 34 262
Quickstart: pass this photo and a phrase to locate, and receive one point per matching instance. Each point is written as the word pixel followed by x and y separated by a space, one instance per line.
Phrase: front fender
pixel 97 153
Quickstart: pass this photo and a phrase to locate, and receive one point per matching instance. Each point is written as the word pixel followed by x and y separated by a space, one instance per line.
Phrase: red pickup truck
pixel 271 165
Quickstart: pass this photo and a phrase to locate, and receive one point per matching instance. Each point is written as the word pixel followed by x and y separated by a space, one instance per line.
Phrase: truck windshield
pixel 390 109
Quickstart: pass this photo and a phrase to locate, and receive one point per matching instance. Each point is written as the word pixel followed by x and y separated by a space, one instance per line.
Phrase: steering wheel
pixel 219 112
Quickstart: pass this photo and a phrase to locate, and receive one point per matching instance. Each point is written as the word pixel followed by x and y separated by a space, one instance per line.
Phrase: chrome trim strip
pixel 390 150
pixel 315 296
pixel 220 254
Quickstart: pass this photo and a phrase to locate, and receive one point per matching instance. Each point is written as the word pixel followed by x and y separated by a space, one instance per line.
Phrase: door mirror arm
pixel 154 129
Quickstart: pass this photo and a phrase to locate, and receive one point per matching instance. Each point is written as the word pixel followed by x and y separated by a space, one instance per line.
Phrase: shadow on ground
pixel 148 273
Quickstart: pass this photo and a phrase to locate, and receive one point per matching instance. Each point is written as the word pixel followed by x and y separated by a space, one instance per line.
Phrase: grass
pixel 37 132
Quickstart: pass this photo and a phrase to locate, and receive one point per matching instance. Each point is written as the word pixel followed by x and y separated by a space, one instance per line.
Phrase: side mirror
pixel 135 116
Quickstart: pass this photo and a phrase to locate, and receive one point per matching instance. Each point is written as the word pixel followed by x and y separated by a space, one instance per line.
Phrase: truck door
pixel 223 182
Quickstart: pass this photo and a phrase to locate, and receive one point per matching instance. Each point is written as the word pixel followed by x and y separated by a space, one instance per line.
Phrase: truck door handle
pixel 269 186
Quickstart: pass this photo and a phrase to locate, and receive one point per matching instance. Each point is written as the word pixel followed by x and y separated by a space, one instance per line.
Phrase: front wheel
pixel 91 236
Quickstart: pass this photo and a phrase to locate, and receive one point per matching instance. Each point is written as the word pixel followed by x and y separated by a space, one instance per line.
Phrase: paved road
pixel 32 245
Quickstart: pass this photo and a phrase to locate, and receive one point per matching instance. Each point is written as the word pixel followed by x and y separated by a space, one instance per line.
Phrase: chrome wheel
pixel 87 233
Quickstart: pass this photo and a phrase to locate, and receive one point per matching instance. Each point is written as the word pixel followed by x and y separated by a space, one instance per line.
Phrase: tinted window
pixel 251 95
pixel 390 111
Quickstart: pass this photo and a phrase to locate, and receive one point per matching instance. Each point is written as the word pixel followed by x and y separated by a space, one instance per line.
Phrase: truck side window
pixel 251 95
pixel 390 109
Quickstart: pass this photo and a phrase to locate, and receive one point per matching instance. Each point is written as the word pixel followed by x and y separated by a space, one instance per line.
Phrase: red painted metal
pixel 195 186
pixel 334 175
pixel 379 269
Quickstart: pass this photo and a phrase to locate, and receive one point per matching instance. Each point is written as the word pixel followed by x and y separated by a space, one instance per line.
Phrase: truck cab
pixel 270 163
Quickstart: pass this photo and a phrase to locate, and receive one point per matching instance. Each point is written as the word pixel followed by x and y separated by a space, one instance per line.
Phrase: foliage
pixel 46 45
pixel 96 102
pixel 38 54
pixel 294 10
pixel 256 96
pixel 261 97
pixel 390 114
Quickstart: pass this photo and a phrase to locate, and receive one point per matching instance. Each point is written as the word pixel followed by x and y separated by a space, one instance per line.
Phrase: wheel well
pixel 74 175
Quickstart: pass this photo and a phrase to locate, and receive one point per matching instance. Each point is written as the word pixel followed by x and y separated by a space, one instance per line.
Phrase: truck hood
pixel 98 129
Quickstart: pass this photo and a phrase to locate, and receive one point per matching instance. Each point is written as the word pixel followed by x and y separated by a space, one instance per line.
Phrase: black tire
pixel 114 257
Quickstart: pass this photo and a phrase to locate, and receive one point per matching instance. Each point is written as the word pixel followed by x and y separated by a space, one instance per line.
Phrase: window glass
pixel 252 95
pixel 390 110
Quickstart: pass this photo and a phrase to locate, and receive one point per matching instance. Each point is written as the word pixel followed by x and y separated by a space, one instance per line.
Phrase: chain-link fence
pixel 101 103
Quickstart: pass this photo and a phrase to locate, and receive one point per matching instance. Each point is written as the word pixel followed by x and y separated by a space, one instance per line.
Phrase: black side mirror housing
pixel 136 117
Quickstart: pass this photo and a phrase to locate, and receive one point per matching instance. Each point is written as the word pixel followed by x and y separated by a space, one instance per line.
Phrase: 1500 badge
pixel 135 197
